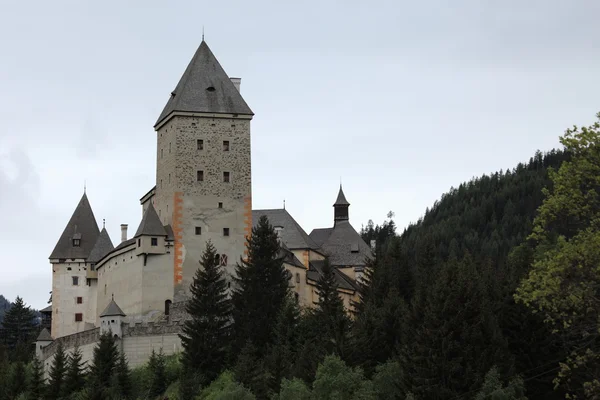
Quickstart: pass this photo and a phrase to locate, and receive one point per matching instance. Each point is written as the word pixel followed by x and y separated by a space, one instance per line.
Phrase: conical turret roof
pixel 341 199
pixel 112 309
pixel 205 87
pixel 151 224
pixel 83 227
pixel 102 247
pixel 44 336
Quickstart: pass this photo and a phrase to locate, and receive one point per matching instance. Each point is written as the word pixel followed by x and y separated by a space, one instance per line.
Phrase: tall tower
pixel 203 182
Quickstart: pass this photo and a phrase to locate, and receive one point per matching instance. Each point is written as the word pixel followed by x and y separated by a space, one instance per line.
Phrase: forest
pixel 493 294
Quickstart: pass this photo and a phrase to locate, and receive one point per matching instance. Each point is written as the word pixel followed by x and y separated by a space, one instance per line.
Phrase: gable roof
pixel 44 336
pixel 338 246
pixel 102 247
pixel 205 87
pixel 293 236
pixel 320 235
pixel 342 281
pixel 47 309
pixel 150 225
pixel 287 256
pixel 112 309
pixel 82 226
pixel 341 199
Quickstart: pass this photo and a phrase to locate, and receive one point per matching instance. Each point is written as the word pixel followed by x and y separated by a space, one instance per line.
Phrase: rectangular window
pixel 154 241
pixel 225 231
pixel 198 230
pixel 139 242
pixel 225 145
pixel 75 280
pixel 80 300
pixel 200 144
pixel 78 317
pixel 220 205
pixel 223 261
pixel 225 176
pixel 200 176
pixel 76 242
pixel 169 147
pixel 161 153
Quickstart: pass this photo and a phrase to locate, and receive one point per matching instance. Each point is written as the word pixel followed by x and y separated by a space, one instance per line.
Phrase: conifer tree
pixel 262 286
pixel 57 373
pixel 74 379
pixel 206 336
pixel 35 385
pixel 251 370
pixel 157 367
pixel 123 378
pixel 19 328
pixel 18 380
pixel 103 366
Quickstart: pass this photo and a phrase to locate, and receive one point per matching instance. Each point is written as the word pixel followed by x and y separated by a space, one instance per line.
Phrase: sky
pixel 400 100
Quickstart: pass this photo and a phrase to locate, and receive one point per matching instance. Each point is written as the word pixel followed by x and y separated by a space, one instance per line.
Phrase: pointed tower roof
pixel 102 247
pixel 44 336
pixel 81 226
pixel 112 309
pixel 205 87
pixel 151 224
pixel 341 199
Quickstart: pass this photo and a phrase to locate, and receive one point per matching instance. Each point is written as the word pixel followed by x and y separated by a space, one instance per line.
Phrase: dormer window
pixel 354 247
pixel 154 242
pixel 76 242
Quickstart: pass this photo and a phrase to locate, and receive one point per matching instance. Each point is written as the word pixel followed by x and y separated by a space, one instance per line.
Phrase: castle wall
pixel 64 298
pixel 185 203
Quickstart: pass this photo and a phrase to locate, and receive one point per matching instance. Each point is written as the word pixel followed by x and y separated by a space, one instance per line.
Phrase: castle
pixel 138 288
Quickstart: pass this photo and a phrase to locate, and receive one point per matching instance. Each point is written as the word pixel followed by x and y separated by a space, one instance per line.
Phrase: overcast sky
pixel 402 100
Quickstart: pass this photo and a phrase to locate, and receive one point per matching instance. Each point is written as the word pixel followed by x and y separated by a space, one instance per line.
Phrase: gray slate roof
pixel 47 309
pixel 205 87
pixel 341 199
pixel 289 257
pixel 44 336
pixel 151 224
pixel 342 281
pixel 82 225
pixel 112 309
pixel 102 247
pixel 339 243
pixel 319 236
pixel 293 236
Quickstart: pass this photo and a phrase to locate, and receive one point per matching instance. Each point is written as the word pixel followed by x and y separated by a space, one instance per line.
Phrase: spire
pixel 112 309
pixel 102 247
pixel 151 224
pixel 79 235
pixel 205 87
pixel 340 207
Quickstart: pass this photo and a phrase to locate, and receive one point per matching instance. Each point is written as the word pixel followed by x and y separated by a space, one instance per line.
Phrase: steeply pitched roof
pixel 342 281
pixel 47 309
pixel 292 235
pixel 289 257
pixel 112 309
pixel 341 199
pixel 44 336
pixel 150 225
pixel 82 226
pixel 102 247
pixel 319 236
pixel 340 243
pixel 205 87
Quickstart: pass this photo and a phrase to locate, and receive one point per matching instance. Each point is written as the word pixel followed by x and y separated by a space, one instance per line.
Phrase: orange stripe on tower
pixel 178 233
pixel 247 220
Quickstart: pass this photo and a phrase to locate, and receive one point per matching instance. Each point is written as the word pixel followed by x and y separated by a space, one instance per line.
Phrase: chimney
pixel 236 82
pixel 123 232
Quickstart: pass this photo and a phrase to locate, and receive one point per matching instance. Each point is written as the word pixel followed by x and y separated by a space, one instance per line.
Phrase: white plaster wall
pixel 64 299
pixel 157 284
pixel 138 348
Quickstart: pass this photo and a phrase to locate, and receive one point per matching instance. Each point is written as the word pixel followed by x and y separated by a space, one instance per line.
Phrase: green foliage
pixel 387 381
pixel 57 373
pixel 74 378
pixel 122 378
pixel 225 388
pixel 294 389
pixel 335 380
pixel 19 330
pixel 35 380
pixel 493 389
pixel 251 370
pixel 261 289
pixel 206 336
pixel 157 368
pixel 18 380
pixel 102 368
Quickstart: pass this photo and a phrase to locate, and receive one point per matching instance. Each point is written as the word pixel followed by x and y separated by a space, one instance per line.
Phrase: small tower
pixel 43 340
pixel 111 319
pixel 150 235
pixel 340 208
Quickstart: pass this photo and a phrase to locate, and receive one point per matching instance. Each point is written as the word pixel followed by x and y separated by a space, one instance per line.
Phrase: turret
pixel 340 208
pixel 150 235
pixel 111 319
pixel 43 340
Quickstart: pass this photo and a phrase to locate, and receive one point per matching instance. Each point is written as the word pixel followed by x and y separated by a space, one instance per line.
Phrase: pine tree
pixel 35 385
pixel 57 373
pixel 18 380
pixel 19 327
pixel 262 286
pixel 251 370
pixel 74 379
pixel 103 366
pixel 206 336
pixel 156 365
pixel 123 381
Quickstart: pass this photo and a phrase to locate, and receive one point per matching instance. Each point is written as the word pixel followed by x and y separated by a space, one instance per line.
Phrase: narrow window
pixel 154 242
pixel 76 242
pixel 139 242
pixel 226 176
pixel 75 280
pixel 297 296
pixel 169 148
pixel 169 178
pixel 198 230
pixel 200 176
pixel 167 307
pixel 200 144
pixel 80 300
pixel 223 261
pixel 297 277
pixel 161 153
pixel 220 204
pixel 161 183
pixel 78 317
pixel 225 145
pixel 225 231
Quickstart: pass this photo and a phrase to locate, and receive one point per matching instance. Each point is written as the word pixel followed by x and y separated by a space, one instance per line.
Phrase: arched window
pixel 167 306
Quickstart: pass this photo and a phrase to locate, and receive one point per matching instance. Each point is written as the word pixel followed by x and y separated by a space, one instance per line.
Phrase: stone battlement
pixel 70 341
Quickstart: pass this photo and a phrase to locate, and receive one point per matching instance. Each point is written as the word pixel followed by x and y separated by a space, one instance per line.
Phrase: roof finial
pixel 284 204
pixel 84 186
pixel 113 297
pixel 103 223
pixel 203 33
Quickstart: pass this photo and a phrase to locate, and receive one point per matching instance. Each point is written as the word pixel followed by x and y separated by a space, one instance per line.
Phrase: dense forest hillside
pixel 4 306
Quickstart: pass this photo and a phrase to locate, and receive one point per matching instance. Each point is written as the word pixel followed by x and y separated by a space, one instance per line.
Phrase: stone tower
pixel 203 182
